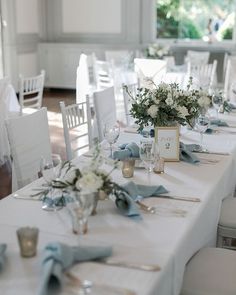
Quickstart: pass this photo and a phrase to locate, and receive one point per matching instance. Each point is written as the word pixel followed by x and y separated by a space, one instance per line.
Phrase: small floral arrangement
pixel 165 104
pixel 90 178
pixel 157 51
pixel 225 106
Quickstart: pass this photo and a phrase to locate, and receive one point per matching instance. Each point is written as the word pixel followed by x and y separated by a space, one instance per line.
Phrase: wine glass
pixel 217 102
pixel 50 170
pixel 147 154
pixel 202 124
pixel 111 134
pixel 80 205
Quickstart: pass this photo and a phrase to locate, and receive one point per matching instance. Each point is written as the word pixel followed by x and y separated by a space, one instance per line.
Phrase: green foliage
pixel 227 34
pixel 189 19
pixel 167 23
pixel 189 30
pixel 164 104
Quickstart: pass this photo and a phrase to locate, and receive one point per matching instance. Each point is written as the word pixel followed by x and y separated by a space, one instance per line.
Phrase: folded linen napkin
pixel 126 198
pixel 3 248
pixel 58 257
pixel 219 123
pixel 127 150
pixel 185 152
pixel 216 122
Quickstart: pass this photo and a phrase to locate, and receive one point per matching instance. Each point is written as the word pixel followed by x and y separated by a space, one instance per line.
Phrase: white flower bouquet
pixel 167 104
pixel 88 179
pixel 157 51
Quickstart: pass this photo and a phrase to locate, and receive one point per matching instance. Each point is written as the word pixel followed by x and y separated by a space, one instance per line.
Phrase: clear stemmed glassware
pixel 217 102
pixel 111 134
pixel 80 205
pixel 50 169
pixel 202 124
pixel 147 154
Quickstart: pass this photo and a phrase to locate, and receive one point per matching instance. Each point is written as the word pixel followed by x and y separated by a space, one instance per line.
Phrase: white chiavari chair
pixel 29 140
pixel 210 271
pixel 103 74
pixel 128 92
pixel 197 57
pixel 31 91
pixel 153 69
pixel 204 75
pixel 76 119
pixel 105 109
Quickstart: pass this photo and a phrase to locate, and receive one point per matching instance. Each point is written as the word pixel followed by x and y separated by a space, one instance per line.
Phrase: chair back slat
pixel 76 119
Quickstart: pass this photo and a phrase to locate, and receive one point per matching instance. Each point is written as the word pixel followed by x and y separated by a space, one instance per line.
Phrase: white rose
pixel 183 111
pixel 163 86
pixel 152 111
pixel 89 182
pixel 155 99
pixel 151 51
pixel 204 101
pixel 176 93
pixel 169 101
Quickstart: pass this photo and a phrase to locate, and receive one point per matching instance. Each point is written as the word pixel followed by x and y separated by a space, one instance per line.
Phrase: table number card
pixel 168 141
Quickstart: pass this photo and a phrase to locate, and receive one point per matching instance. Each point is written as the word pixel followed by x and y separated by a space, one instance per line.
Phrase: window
pixel 208 20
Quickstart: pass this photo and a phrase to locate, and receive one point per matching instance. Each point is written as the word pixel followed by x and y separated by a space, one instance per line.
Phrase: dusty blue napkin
pixel 185 152
pixel 216 122
pixel 58 257
pixel 219 123
pixel 127 150
pixel 127 205
pixel 131 192
pixel 3 248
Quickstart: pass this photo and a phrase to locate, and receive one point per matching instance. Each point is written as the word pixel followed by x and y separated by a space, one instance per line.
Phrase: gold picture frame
pixel 168 141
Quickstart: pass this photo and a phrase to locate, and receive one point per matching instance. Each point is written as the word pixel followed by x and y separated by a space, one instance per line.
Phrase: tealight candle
pixel 159 166
pixel 28 239
pixel 128 168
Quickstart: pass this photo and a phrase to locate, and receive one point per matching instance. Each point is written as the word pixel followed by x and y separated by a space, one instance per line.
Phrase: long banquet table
pixel 168 238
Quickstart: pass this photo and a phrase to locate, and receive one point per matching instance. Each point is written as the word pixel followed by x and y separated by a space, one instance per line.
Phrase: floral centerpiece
pixel 219 99
pixel 167 104
pixel 87 179
pixel 157 51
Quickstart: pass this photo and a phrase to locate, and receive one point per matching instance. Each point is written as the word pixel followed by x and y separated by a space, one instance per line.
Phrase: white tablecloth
pixel 166 238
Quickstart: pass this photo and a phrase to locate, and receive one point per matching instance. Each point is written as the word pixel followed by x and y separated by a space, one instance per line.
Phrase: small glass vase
pixel 80 206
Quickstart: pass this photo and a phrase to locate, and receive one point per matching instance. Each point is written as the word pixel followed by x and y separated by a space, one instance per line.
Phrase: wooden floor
pixel 51 100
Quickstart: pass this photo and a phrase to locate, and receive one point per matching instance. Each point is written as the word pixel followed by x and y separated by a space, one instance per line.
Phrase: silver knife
pixel 212 153
pixel 178 198
pixel 146 267
pixel 87 286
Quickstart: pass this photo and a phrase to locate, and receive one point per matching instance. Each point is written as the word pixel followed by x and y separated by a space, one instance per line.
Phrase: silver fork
pixel 149 209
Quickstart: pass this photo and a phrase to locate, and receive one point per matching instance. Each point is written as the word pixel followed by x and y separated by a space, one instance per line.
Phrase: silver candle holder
pixel 28 240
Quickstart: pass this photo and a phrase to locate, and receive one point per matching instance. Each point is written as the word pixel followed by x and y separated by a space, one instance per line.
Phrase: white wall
pixel 106 23
pixel 91 16
pixel 27 17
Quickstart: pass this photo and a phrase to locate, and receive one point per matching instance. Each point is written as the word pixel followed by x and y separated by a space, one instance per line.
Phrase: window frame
pixel 194 42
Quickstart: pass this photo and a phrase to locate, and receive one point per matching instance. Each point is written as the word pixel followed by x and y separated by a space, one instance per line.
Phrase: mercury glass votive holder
pixel 128 168
pixel 28 240
pixel 159 166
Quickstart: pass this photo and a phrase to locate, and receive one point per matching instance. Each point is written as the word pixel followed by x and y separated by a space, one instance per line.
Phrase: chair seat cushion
pixel 228 213
pixel 212 271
